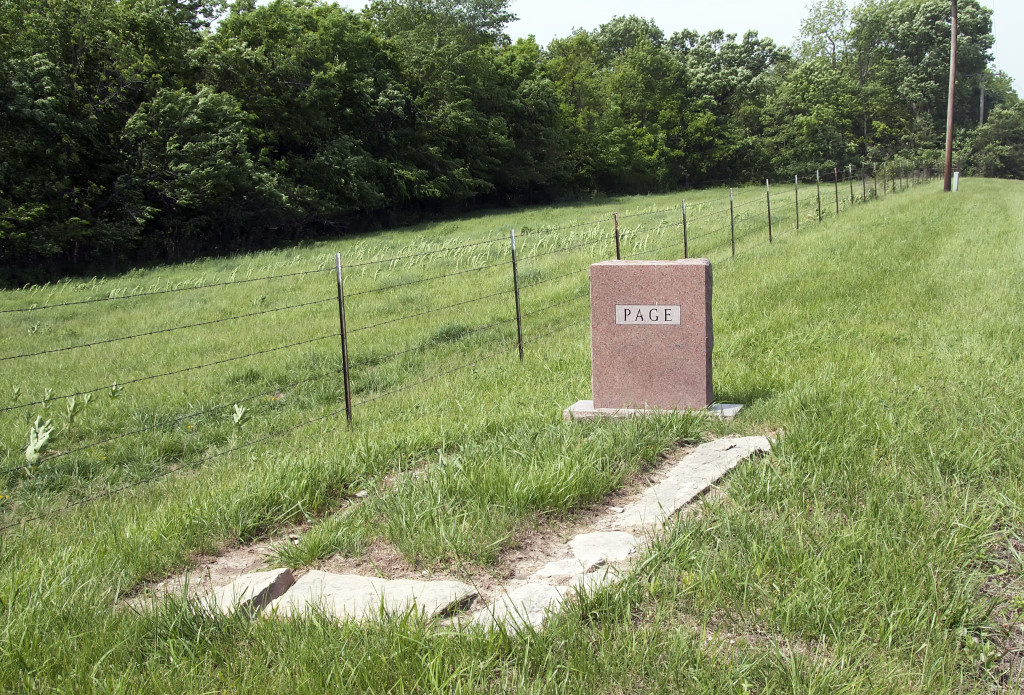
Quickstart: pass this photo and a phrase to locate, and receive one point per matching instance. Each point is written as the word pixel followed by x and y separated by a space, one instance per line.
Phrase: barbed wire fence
pixel 524 278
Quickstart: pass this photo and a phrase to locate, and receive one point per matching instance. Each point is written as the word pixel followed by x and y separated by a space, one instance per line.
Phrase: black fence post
pixel 768 197
pixel 732 225
pixel 686 243
pixel 796 197
pixel 618 249
pixel 346 375
pixel 835 174
pixel 515 289
pixel 817 182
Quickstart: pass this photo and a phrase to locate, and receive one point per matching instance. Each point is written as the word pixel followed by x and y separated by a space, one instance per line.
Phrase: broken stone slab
pixel 603 546
pixel 528 604
pixel 349 596
pixel 568 567
pixel 692 475
pixel 252 591
pixel 588 583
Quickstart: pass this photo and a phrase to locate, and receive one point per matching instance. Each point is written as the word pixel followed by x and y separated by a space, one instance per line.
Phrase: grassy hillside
pixel 876 550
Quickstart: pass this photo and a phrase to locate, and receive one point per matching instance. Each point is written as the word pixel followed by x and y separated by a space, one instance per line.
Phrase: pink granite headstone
pixel 651 334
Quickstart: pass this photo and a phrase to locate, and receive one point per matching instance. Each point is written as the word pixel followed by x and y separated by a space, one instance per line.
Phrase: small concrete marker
pixel 349 596
pixel 251 592
pixel 528 604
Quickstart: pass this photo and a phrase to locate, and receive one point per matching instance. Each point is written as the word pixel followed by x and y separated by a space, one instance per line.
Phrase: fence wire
pixel 165 330
pixel 164 374
pixel 698 216
pixel 167 291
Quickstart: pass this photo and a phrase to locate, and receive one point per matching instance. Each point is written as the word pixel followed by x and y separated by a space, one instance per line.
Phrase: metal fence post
pixel 852 199
pixel 618 250
pixel 863 184
pixel 515 288
pixel 817 182
pixel 686 243
pixel 732 224
pixel 768 197
pixel 796 197
pixel 835 174
pixel 344 342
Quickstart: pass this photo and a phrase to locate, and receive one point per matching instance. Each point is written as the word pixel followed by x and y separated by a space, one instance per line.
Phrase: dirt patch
pixel 211 571
pixel 379 559
pixel 1006 586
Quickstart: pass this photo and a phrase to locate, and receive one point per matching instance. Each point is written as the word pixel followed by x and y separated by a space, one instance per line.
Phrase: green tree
pixel 191 168
pixel 825 32
pixel 902 58
pixel 999 144
pixel 327 99
pixel 73 72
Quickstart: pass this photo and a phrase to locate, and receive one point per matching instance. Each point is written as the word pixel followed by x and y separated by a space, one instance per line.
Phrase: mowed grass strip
pixel 883 345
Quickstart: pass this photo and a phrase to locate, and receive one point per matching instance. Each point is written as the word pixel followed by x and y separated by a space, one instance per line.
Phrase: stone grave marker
pixel 651 339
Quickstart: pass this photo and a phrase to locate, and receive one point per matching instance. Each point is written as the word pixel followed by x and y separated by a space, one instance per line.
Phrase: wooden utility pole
pixel 948 183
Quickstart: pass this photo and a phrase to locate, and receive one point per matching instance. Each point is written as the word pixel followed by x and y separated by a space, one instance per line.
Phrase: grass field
pixel 876 550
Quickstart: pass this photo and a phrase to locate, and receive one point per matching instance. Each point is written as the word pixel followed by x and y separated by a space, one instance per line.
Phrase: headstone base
pixel 585 410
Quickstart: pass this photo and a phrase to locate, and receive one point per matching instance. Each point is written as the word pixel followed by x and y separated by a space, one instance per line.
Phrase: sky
pixel 778 19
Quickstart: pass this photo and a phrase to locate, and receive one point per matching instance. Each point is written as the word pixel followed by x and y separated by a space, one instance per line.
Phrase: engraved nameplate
pixel 646 315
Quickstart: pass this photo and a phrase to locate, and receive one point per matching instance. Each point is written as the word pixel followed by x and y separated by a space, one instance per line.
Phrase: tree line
pixel 138 131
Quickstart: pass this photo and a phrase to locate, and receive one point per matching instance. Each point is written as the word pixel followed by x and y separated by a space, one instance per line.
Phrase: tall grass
pixel 879 343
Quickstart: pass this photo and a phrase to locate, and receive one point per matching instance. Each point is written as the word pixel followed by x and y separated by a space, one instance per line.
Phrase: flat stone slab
pixel 588 583
pixel 568 567
pixel 694 474
pixel 585 410
pixel 349 596
pixel 603 546
pixel 251 592
pixel 528 604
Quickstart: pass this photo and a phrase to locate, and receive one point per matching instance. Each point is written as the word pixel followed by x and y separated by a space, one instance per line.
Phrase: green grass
pixel 874 551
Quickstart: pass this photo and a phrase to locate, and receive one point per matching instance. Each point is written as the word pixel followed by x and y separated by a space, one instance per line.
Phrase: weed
pixel 240 415
pixel 76 407
pixel 38 441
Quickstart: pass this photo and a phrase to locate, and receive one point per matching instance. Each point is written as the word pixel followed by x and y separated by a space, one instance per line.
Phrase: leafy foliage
pixel 999 145
pixel 140 130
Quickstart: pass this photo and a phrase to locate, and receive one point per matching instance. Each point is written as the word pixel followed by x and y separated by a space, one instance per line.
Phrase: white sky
pixel 779 19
